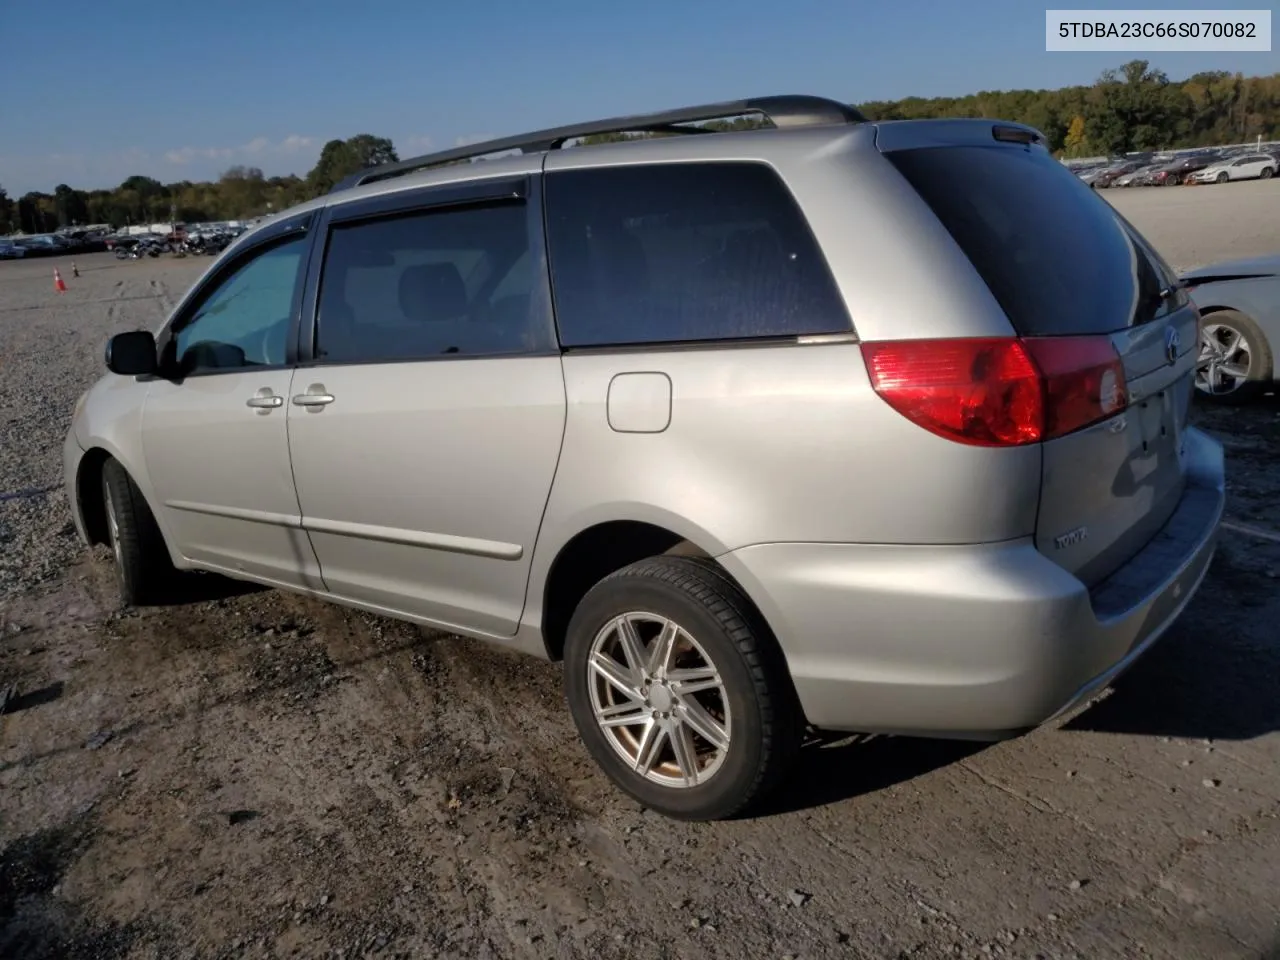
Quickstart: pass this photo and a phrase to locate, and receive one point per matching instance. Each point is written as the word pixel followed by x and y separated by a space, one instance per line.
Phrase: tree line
pixel 1134 107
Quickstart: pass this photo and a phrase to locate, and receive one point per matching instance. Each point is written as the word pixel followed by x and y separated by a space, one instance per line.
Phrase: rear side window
pixel 684 252
pixel 431 283
pixel 1056 256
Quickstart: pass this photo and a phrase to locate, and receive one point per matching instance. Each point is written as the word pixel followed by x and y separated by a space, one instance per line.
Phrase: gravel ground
pixel 1198 225
pixel 256 774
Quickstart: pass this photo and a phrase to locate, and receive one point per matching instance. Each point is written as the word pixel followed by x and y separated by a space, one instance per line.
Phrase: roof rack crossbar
pixel 781 111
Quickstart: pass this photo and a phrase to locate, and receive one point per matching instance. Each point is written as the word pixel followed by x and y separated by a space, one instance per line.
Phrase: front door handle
pixel 264 399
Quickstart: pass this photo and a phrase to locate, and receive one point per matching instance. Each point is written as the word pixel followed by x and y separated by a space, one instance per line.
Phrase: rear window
pixel 684 252
pixel 1057 257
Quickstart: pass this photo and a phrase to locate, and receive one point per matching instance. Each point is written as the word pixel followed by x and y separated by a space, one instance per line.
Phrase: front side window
pixel 684 252
pixel 243 320
pixel 433 283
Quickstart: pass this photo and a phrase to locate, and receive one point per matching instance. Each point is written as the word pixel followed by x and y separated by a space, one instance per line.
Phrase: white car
pixel 1251 166
pixel 11 251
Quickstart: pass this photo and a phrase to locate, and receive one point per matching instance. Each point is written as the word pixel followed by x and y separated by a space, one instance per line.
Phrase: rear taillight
pixel 999 392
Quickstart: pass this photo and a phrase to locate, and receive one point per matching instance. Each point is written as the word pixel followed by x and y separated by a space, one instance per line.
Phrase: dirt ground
pixel 249 773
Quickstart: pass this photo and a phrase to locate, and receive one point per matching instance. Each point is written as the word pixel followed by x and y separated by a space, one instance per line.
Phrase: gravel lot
pixel 1199 225
pixel 256 774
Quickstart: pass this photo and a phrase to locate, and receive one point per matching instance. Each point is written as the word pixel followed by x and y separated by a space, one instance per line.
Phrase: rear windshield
pixel 1056 256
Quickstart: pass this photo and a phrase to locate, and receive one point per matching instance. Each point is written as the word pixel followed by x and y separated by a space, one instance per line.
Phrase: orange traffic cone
pixel 58 285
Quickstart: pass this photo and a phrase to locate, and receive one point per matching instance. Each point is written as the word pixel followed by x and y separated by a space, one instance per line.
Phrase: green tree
pixel 1133 108
pixel 341 158
pixel 70 205
pixel 7 224
pixel 36 213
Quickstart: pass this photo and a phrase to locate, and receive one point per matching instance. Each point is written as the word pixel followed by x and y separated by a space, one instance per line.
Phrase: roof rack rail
pixel 781 111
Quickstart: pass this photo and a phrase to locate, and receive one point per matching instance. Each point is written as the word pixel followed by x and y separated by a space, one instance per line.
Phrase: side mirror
pixel 132 354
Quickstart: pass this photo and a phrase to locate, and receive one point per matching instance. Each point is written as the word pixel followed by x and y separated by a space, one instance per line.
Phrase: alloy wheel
pixel 659 700
pixel 1224 361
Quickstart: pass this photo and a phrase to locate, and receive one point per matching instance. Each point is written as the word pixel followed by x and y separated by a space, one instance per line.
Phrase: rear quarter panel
pixel 777 443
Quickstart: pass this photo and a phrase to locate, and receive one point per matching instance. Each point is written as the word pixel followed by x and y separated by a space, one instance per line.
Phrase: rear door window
pixel 452 281
pixel 684 252
pixel 1056 256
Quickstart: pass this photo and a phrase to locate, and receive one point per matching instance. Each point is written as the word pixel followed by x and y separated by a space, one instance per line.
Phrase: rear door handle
pixel 313 399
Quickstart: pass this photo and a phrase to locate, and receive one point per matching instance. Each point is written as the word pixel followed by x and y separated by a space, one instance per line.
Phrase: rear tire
pixel 716 720
pixel 143 566
pixel 1235 363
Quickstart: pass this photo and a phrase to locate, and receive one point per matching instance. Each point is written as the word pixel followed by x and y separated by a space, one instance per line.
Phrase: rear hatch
pixel 1063 263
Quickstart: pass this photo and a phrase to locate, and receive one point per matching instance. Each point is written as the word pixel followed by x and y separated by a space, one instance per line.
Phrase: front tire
pixel 1235 362
pixel 1223 177
pixel 1267 173
pixel 143 566
pixel 678 689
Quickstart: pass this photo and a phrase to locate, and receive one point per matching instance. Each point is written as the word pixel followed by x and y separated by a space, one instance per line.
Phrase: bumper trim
pixel 1099 683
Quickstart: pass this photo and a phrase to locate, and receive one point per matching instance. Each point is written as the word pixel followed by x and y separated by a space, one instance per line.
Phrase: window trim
pixel 524 190
pixel 271 236
pixel 630 346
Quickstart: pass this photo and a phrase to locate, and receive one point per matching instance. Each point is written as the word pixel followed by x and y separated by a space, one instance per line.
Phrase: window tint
pixel 1056 256
pixel 429 284
pixel 243 321
pixel 684 252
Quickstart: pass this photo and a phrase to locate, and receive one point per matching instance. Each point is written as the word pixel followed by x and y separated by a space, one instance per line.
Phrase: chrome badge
pixel 1071 538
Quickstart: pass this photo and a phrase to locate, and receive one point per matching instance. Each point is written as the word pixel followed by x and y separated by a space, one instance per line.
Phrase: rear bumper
pixel 981 641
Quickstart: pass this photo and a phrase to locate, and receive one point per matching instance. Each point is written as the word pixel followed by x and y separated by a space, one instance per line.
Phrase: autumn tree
pixel 1075 140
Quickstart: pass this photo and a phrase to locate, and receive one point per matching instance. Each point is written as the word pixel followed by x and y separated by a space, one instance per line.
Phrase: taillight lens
pixel 999 392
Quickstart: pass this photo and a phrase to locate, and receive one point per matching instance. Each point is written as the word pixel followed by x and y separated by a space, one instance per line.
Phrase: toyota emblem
pixel 1171 344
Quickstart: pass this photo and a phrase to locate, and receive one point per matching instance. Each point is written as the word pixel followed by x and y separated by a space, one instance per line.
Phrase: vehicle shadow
pixel 1202 681
pixel 829 771
pixel 200 587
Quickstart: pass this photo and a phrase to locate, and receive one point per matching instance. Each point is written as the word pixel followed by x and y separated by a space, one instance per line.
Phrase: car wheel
pixel 678 689
pixel 1235 361
pixel 143 566
pixel 1223 177
pixel 1267 173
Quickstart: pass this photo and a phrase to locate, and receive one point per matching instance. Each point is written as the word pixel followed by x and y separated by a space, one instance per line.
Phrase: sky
pixel 96 91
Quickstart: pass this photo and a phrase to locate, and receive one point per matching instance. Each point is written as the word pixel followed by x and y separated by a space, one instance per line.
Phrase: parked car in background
pixel 1135 177
pixel 10 250
pixel 898 488
pixel 1105 177
pixel 1250 166
pixel 1239 302
pixel 1173 172
pixel 41 245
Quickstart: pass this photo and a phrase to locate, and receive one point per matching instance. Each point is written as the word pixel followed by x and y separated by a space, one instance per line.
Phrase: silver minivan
pixel 856 426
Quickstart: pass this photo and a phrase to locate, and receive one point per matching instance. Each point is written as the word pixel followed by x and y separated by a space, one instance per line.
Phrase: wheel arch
pixel 92 507
pixel 599 549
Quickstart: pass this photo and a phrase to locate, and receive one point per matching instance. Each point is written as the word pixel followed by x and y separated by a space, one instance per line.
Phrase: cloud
pixel 412 146
pixel 187 154
pixel 257 147
pixel 24 172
